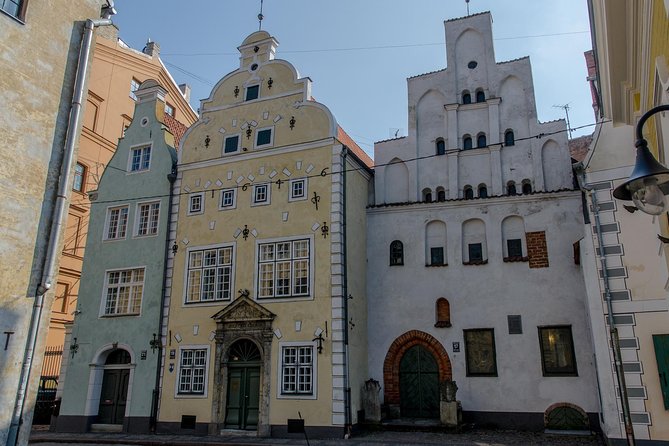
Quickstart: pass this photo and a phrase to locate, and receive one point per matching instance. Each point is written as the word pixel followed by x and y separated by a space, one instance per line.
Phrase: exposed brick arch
pixel 391 365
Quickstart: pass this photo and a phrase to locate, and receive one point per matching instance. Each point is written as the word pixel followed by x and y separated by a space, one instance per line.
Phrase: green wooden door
pixel 419 384
pixel 113 396
pixel 661 343
pixel 243 398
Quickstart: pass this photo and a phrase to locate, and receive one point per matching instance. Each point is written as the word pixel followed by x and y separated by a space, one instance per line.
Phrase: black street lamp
pixel 649 182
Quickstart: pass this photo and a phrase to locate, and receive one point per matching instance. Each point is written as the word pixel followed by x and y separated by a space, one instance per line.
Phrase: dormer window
pixel 252 92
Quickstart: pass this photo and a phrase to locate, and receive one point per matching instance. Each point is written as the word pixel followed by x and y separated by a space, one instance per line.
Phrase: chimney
pixel 151 48
pixel 185 90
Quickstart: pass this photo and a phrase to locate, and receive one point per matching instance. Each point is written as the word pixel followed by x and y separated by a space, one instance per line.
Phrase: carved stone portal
pixel 242 319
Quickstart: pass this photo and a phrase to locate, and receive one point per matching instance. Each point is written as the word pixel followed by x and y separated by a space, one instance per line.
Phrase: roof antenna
pixel 467 1
pixel 565 107
pixel 260 16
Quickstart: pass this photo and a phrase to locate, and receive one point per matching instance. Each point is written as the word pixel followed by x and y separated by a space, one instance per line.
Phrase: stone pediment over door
pixel 243 312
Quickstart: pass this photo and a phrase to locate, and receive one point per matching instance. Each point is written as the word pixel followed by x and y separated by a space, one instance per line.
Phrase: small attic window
pixel 252 92
pixel 472 64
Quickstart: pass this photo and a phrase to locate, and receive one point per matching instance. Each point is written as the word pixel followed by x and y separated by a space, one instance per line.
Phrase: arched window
pixel 480 96
pixel 435 244
pixel 474 250
pixel 468 192
pixel 443 313
pixel 427 195
pixel 441 146
pixel 396 253
pixel 483 191
pixel 481 140
pixel 511 188
pixel 441 194
pixel 466 97
pixel 509 138
pixel 466 142
pixel 527 187
pixel 513 236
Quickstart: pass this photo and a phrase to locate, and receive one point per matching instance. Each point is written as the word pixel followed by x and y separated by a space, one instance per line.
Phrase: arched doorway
pixel 419 384
pixel 114 391
pixel 243 396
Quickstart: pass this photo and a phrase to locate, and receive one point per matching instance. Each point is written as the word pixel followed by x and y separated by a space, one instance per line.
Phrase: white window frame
pixel 291 197
pixel 134 86
pixel 140 147
pixel 314 372
pixel 233 191
pixel 187 269
pixel 138 217
pixel 177 383
pixel 105 291
pixel 271 138
pixel 291 296
pixel 225 141
pixel 268 194
pixel 105 234
pixel 190 198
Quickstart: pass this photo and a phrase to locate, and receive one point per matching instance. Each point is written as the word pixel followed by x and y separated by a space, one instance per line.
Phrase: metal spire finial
pixel 467 1
pixel 260 17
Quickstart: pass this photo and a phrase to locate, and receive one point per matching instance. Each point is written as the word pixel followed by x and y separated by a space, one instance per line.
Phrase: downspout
pixel 613 330
pixel 347 388
pixel 156 391
pixel 58 217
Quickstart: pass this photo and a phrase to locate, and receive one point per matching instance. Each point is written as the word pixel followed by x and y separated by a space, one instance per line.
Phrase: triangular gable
pixel 243 309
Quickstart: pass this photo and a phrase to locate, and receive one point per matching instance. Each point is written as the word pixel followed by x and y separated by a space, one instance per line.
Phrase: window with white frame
pixel 297 370
pixel 283 269
pixel 192 371
pixel 169 109
pixel 140 159
pixel 298 189
pixel 228 199
pixel 261 194
pixel 196 203
pixel 147 218
pixel 134 86
pixel 123 292
pixel 231 144
pixel 209 275
pixel 264 137
pixel 117 223
pixel 79 177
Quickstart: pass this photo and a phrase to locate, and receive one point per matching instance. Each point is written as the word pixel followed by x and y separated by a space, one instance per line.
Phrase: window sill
pixel 436 265
pixel 443 324
pixel 13 17
pixel 516 259
pixel 112 316
pixel 396 264
pixel 476 262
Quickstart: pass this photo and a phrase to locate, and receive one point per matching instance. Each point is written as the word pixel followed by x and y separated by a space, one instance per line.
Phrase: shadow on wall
pixel 11 355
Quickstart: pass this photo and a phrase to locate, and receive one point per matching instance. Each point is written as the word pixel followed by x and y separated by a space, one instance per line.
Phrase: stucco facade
pixel 273 192
pixel 110 370
pixel 471 248
pixel 37 75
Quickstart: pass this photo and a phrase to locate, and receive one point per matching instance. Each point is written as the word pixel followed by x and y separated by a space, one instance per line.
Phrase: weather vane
pixel 260 16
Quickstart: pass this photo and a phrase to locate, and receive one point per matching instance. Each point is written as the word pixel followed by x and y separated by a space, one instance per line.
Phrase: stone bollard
pixel 370 401
pixel 449 407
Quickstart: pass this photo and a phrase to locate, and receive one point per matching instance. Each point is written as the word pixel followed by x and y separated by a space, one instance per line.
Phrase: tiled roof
pixel 466 17
pixel 578 147
pixel 343 137
pixel 425 74
pixel 513 60
pixel 176 128
pixel 389 139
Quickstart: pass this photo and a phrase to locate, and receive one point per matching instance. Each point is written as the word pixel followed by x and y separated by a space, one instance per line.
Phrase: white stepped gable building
pixel 472 274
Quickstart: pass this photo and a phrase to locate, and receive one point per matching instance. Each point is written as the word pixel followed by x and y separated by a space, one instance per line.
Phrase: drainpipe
pixel 58 217
pixel 613 330
pixel 347 388
pixel 156 391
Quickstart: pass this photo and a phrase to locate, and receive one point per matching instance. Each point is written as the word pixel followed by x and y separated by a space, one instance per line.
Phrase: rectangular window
pixel 480 352
pixel 140 159
pixel 231 144
pixel 437 256
pixel 661 345
pixel 298 189
pixel 475 252
pixel 13 7
pixel 117 223
pixel 134 86
pixel 196 203
pixel 252 92
pixel 169 109
pixel 192 371
pixel 209 275
pixel 228 198
pixel 514 247
pixel 264 137
pixel 147 215
pixel 283 269
pixel 261 194
pixel 79 177
pixel 557 351
pixel 123 292
pixel 297 370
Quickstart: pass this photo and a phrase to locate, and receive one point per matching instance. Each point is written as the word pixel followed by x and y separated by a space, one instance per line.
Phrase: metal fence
pixel 48 383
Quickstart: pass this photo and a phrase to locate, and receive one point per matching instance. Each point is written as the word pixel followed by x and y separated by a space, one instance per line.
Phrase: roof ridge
pixel 512 60
pixel 467 16
pixel 389 139
pixel 429 72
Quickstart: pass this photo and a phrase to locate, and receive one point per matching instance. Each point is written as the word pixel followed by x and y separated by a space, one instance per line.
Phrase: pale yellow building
pixel 631 48
pixel 266 289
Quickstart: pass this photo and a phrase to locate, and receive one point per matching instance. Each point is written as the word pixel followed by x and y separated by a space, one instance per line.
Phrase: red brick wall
pixel 443 313
pixel 537 250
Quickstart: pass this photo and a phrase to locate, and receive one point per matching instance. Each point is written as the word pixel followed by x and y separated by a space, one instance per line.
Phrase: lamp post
pixel 649 182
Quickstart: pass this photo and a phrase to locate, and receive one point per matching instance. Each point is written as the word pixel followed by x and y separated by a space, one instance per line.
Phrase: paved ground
pixel 476 437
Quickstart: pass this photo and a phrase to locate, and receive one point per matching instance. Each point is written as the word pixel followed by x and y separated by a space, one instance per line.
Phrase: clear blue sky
pixel 358 53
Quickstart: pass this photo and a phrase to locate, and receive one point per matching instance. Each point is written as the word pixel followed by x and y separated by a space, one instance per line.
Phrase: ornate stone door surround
pixel 242 319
